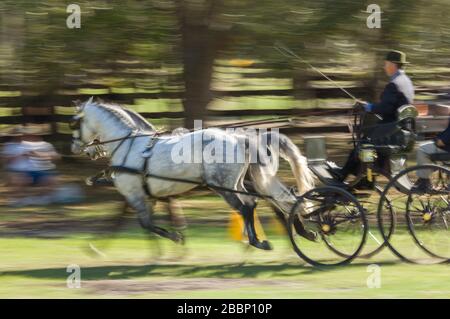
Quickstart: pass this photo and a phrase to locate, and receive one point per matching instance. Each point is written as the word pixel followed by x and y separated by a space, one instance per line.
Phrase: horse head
pixel 82 133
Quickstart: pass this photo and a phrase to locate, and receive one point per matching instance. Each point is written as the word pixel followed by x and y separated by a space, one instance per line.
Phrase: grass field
pixel 36 250
pixel 210 266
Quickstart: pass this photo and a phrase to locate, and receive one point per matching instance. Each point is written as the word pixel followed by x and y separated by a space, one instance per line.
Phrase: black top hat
pixel 396 57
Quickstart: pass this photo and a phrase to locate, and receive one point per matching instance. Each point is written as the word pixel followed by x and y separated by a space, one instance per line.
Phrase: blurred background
pixel 176 61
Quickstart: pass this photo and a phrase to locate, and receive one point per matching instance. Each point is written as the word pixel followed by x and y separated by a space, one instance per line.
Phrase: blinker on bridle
pixel 75 124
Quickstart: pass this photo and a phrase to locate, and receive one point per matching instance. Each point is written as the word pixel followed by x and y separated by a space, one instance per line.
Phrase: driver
pixel 399 91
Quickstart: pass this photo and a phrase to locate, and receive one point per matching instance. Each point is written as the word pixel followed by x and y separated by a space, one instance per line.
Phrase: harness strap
pixel 144 181
pixel 154 134
pixel 124 169
pixel 212 186
pixel 128 152
pixel 120 144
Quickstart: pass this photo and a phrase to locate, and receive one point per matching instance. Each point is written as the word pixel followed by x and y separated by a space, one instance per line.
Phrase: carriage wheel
pixel 428 216
pixel 422 235
pixel 339 222
pixel 375 241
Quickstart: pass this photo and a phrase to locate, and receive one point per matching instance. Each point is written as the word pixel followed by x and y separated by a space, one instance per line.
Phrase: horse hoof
pixel 264 245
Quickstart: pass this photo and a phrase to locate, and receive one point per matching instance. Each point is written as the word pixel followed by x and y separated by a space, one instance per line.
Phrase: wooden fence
pixel 31 107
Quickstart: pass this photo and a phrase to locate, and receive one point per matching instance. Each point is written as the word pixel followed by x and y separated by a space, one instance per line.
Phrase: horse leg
pixel 175 214
pixel 119 220
pixel 130 186
pixel 246 206
pixel 145 217
pixel 249 221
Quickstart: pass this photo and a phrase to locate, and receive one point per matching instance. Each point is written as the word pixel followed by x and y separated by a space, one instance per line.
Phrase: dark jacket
pixel 399 91
pixel 444 136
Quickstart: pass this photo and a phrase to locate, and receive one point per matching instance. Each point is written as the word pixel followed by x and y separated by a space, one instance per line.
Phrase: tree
pixel 203 35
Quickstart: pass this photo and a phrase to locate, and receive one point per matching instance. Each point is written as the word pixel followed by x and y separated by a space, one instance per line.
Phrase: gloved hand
pixel 368 107
pixel 359 106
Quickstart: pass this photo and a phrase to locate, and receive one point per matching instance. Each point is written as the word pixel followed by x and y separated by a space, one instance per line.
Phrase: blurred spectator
pixel 29 162
pixel 15 161
pixel 40 155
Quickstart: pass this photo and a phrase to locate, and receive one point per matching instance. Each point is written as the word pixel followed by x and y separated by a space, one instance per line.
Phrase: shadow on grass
pixel 266 270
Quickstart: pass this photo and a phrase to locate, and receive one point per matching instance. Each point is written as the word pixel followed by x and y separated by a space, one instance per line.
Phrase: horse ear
pixel 91 99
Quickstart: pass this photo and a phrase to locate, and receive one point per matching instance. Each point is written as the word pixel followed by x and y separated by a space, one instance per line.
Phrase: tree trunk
pixel 202 34
pixel 198 60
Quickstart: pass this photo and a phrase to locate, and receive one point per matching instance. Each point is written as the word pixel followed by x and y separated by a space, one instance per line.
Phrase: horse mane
pixel 140 121
pixel 125 116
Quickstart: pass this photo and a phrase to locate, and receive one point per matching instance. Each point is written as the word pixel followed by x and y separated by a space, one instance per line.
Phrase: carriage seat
pixel 394 137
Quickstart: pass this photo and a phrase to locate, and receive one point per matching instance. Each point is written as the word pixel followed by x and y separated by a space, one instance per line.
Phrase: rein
pixel 232 125
pixel 129 136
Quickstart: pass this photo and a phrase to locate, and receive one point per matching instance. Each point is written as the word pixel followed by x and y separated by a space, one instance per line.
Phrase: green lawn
pixel 210 265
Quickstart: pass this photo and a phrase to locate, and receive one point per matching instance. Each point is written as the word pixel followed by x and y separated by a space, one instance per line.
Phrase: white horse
pixel 160 176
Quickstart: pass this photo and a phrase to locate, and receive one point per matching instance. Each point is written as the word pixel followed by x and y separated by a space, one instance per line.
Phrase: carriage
pixel 385 187
pixel 380 156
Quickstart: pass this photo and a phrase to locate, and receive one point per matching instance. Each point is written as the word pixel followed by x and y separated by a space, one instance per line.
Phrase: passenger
pixel 440 145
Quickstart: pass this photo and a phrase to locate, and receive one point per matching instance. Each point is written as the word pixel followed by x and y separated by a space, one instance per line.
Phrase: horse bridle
pixel 99 151
pixel 76 127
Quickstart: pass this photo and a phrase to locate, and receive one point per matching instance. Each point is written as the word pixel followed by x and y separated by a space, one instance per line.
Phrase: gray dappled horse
pixel 124 143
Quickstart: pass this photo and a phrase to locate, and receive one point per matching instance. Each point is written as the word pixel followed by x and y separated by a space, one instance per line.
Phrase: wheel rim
pixel 339 221
pixel 408 243
pixel 428 217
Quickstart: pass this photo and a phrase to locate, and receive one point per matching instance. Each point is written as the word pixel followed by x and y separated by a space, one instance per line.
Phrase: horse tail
pixel 304 177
